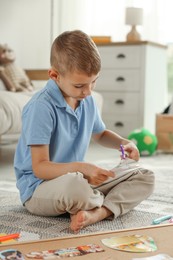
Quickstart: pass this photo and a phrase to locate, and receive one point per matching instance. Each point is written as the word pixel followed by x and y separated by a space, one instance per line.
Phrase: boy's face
pixel 76 85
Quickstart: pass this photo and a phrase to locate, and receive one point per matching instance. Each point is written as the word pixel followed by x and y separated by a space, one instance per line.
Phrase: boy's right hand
pixel 96 175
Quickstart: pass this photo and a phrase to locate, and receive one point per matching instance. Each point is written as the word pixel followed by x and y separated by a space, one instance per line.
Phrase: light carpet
pixel 15 218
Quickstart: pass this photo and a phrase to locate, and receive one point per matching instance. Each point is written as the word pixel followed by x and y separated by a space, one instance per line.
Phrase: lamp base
pixel 133 35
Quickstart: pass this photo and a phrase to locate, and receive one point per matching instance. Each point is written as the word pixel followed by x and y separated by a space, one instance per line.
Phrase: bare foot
pixel 78 221
pixel 85 218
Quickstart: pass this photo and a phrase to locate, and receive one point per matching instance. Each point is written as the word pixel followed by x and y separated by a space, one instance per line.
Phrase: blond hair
pixel 75 51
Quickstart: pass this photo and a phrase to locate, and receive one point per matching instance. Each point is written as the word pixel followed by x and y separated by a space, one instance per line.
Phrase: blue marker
pixel 161 219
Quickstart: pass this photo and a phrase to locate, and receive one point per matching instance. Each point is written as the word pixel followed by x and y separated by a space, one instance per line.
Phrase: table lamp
pixel 134 16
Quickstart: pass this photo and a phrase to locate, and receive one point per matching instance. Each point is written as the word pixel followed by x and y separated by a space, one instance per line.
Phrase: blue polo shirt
pixel 48 120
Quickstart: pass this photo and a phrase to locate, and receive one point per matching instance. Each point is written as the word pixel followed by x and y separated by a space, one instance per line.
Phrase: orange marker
pixel 8 237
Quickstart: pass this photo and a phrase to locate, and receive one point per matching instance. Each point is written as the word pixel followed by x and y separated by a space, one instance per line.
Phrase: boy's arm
pixel 109 139
pixel 45 169
pixel 112 140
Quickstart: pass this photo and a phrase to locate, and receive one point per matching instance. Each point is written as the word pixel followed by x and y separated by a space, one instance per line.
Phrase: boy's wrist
pixel 80 166
pixel 85 167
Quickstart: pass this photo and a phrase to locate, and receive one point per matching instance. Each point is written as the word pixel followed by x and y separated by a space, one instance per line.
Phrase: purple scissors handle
pixel 122 152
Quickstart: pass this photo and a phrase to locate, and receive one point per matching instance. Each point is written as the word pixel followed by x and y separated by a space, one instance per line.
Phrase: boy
pixel 58 123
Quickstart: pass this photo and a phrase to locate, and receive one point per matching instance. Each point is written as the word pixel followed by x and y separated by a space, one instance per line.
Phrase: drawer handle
pixel 121 56
pixel 119 124
pixel 119 102
pixel 120 79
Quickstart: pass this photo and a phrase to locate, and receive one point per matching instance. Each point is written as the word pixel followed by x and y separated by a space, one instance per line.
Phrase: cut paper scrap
pixel 156 257
pixel 65 252
pixel 132 243
pixel 12 254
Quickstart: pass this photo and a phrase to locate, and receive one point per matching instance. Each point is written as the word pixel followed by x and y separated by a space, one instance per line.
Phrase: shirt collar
pixel 56 94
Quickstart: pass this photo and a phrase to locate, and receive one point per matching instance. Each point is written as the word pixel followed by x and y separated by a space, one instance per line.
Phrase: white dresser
pixel 133 82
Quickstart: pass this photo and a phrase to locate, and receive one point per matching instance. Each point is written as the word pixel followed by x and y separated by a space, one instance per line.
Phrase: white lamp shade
pixel 134 16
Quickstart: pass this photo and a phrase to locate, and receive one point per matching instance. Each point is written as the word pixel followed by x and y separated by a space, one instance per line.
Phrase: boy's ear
pixel 53 74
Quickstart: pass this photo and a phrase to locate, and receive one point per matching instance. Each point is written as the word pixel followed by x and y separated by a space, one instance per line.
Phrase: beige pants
pixel 72 193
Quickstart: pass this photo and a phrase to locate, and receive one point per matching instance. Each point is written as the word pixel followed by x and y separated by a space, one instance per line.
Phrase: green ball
pixel 145 141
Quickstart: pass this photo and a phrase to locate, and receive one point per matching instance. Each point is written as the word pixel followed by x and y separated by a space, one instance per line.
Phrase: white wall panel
pixel 25 26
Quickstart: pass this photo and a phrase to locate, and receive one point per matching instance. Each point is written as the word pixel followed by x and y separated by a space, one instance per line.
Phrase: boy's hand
pixel 96 175
pixel 132 151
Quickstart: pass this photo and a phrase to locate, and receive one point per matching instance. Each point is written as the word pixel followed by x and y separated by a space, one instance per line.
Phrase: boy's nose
pixel 87 90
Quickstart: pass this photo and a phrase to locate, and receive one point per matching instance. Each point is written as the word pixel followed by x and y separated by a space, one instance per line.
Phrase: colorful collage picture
pixel 66 252
pixel 11 254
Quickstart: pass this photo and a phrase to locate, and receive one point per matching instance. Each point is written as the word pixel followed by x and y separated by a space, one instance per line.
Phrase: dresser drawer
pixel 117 79
pixel 120 57
pixel 122 125
pixel 120 103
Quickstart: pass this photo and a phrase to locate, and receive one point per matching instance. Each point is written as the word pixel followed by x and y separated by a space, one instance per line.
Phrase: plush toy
pixel 13 77
pixel 144 140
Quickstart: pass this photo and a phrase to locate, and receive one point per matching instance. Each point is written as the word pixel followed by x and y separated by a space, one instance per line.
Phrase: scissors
pixel 123 155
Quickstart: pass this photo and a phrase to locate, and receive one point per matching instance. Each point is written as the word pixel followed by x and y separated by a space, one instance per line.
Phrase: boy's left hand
pixel 132 151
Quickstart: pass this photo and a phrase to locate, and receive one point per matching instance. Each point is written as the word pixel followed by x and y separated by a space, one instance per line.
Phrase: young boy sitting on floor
pixel 58 123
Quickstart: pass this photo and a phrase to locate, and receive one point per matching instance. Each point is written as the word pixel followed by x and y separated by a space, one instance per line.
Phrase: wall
pixel 26 26
pixel 29 26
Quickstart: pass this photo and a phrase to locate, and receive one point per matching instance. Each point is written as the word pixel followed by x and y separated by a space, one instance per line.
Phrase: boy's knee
pixel 78 195
pixel 149 176
pixel 78 187
pixel 148 180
